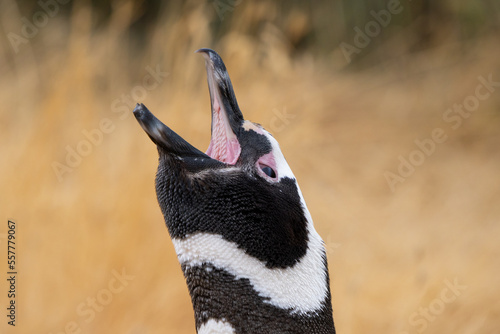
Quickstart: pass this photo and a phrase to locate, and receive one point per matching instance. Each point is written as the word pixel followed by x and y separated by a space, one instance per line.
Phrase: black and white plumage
pixel 252 260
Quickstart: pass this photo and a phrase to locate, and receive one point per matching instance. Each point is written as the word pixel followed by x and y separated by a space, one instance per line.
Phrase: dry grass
pixel 389 252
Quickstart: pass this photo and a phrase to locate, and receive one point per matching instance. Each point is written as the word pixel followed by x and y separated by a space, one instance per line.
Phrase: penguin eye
pixel 268 171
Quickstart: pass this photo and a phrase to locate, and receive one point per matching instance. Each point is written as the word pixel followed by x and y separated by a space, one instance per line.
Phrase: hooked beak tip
pixel 212 59
pixel 140 110
pixel 147 120
pixel 204 51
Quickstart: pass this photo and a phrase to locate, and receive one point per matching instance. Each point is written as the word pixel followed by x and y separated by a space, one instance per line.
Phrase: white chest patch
pixel 216 327
pixel 301 288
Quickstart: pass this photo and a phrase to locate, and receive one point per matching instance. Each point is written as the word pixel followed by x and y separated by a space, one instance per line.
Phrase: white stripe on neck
pixel 301 288
pixel 215 327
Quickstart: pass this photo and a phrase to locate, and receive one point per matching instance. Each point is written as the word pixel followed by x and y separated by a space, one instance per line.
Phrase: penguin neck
pixel 231 289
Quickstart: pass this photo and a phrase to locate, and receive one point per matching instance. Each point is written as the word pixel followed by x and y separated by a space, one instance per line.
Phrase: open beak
pixel 163 136
pixel 226 115
pixel 226 120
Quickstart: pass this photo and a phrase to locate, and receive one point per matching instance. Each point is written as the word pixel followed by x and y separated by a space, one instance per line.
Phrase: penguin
pixel 251 257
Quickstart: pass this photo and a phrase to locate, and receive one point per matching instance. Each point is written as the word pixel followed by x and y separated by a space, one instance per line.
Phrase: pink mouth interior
pixel 224 145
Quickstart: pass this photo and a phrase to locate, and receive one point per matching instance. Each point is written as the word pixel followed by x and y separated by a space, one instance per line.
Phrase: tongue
pixel 226 151
pixel 224 145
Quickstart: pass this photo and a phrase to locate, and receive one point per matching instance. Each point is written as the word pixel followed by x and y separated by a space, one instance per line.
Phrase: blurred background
pixel 388 113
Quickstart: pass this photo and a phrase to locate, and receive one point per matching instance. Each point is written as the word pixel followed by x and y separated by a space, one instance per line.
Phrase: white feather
pixel 301 288
pixel 216 327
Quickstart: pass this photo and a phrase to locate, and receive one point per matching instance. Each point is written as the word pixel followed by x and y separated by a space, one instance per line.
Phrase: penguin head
pixel 236 143
pixel 239 223
pixel 242 187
